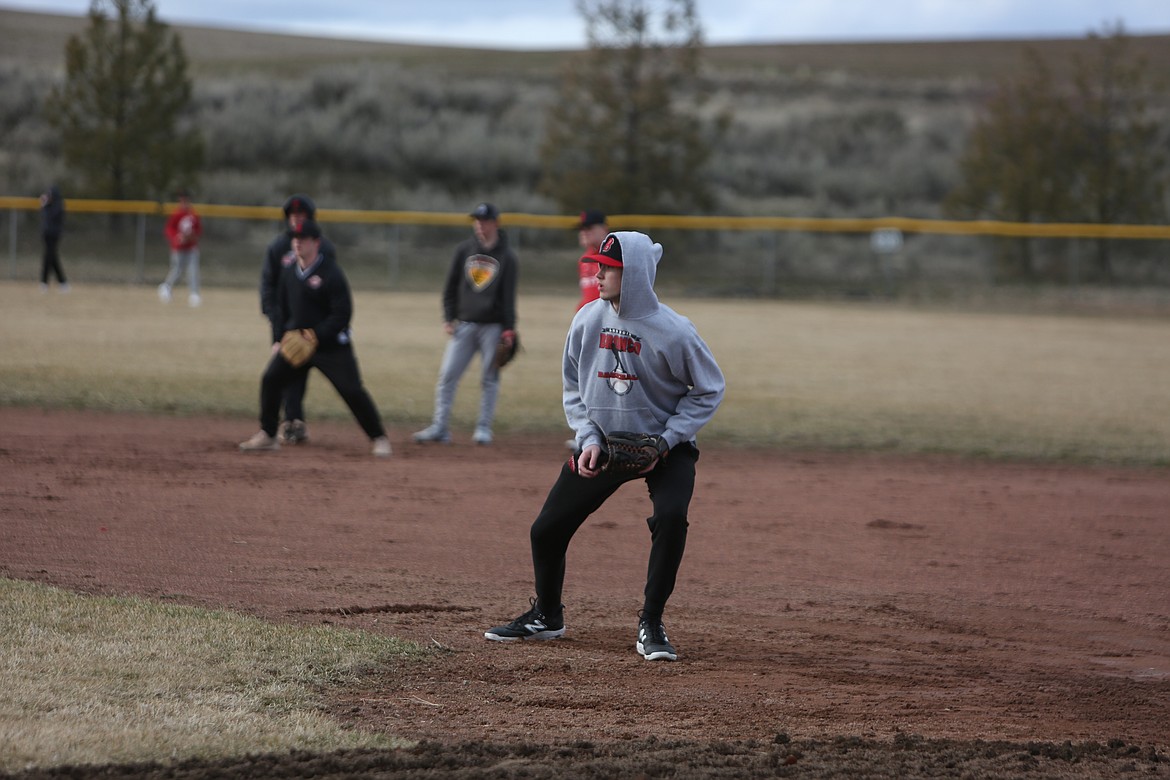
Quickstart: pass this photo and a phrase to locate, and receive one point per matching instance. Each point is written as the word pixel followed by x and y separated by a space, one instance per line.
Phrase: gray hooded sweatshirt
pixel 642 368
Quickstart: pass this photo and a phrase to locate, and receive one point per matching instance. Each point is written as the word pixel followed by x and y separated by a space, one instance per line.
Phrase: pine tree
pixel 120 109
pixel 1015 167
pixel 616 138
pixel 1081 150
pixel 1123 170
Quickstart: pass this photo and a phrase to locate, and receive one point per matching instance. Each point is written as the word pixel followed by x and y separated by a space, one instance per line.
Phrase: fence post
pixel 140 254
pixel 770 265
pixel 393 262
pixel 12 243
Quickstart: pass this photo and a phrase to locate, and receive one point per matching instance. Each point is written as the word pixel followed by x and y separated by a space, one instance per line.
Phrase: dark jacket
pixel 278 256
pixel 53 214
pixel 318 298
pixel 481 284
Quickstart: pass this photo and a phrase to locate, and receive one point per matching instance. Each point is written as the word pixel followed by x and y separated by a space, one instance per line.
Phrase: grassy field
pixel 119 680
pixel 799 375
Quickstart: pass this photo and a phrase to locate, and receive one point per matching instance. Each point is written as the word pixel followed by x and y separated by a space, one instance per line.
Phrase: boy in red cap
pixel 630 363
pixel 591 229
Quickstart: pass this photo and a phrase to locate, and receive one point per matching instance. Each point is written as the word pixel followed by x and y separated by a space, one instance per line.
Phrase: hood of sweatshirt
pixel 640 258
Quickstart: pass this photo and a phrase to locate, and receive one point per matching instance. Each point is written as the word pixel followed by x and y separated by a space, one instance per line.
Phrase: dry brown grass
pixel 800 375
pixel 120 680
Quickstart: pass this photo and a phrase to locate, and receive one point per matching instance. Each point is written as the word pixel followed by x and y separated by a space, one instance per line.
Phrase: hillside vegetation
pixel 825 130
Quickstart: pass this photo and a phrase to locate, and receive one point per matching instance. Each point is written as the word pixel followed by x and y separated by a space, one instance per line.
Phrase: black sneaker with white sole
pixel 653 643
pixel 533 624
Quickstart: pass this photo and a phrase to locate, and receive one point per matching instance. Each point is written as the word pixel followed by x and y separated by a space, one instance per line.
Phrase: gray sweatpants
pixel 184 260
pixel 468 339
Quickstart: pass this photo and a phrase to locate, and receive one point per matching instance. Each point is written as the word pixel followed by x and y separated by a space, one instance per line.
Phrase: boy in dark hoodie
pixel 479 311
pixel 630 363
pixel 52 226
pixel 313 294
pixel 278 256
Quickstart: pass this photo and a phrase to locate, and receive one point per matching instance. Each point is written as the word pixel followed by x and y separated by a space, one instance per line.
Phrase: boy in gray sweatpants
pixel 479 309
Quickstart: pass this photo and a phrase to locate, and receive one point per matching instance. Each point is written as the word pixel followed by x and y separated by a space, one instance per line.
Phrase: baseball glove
pixel 298 346
pixel 506 349
pixel 632 453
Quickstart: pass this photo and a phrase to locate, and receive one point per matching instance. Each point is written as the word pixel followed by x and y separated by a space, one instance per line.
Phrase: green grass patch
pixel 91 680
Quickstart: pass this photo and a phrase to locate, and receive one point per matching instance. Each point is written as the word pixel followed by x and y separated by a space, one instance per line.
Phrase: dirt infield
pixel 835 613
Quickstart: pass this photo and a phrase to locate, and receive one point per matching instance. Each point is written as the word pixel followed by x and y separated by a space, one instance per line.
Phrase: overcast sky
pixel 555 24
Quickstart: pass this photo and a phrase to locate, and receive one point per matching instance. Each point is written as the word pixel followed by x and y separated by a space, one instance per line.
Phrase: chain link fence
pixel 123 243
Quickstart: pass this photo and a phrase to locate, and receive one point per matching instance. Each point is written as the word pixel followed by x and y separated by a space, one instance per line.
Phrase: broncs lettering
pixel 617 343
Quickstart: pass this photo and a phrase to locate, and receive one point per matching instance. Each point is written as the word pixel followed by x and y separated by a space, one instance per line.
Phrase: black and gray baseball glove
pixel 632 453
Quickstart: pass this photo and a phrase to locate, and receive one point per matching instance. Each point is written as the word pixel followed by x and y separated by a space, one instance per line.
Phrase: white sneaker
pixel 482 435
pixel 194 300
pixel 382 447
pixel 164 293
pixel 64 289
pixel 261 442
pixel 433 434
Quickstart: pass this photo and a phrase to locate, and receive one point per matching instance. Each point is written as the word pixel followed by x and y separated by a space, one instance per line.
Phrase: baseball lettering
pixel 620 343
pixel 620 378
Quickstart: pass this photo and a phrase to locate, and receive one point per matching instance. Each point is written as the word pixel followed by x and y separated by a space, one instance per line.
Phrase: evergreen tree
pixel 1015 164
pixel 1080 150
pixel 616 138
pixel 1122 176
pixel 120 109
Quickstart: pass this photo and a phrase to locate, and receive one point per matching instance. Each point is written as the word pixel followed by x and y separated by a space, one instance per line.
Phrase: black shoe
pixel 652 642
pixel 533 624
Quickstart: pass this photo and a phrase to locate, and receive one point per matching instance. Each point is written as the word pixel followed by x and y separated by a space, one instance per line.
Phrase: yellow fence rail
pixel 794 224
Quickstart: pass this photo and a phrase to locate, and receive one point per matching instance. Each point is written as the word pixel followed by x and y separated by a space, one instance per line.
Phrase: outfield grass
pixel 800 375
pixel 123 680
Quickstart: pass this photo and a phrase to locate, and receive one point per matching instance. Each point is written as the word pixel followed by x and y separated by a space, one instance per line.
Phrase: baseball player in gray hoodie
pixel 630 363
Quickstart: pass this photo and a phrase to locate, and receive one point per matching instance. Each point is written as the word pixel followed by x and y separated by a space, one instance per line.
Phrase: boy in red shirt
pixel 591 229
pixel 183 230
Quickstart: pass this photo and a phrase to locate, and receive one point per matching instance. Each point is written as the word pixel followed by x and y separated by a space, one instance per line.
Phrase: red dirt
pixel 875 606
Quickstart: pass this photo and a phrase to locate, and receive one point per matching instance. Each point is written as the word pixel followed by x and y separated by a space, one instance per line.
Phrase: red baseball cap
pixel 609 254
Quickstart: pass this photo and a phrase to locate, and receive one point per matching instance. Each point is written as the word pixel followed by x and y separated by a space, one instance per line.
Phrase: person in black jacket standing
pixel 52 226
pixel 279 255
pixel 314 294
pixel 479 310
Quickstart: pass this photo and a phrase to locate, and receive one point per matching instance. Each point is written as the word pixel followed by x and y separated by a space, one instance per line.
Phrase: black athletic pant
pixel 51 262
pixel 293 397
pixel 573 498
pixel 340 367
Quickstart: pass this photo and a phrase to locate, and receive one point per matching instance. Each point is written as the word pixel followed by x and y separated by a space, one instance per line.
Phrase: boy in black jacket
pixel 313 294
pixel 279 255
pixel 52 226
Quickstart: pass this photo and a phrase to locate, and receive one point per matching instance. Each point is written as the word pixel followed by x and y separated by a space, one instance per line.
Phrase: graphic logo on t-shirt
pixel 481 270
pixel 620 343
pixel 315 282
